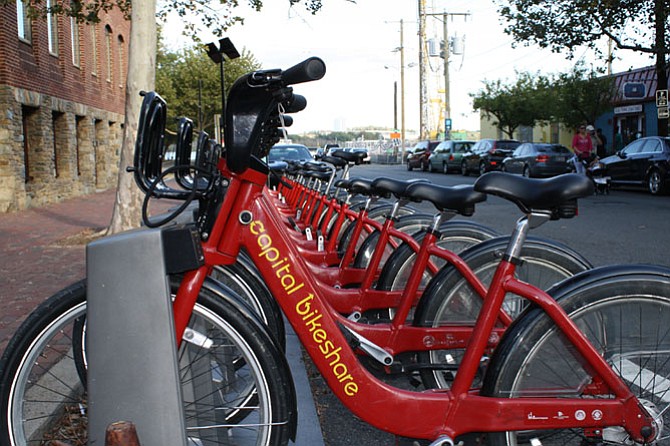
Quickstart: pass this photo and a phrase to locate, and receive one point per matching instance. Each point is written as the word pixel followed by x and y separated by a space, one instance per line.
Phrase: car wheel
pixel 445 168
pixel 464 169
pixel 424 166
pixel 526 171
pixel 409 165
pixel 655 182
pixel 482 168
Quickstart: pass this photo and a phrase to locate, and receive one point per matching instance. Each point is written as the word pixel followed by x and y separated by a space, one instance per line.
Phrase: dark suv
pixel 418 156
pixel 487 155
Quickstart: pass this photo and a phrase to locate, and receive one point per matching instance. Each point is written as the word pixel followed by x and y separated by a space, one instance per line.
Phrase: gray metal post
pixel 130 346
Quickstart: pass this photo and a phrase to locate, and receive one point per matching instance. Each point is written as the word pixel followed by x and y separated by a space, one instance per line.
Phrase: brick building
pixel 62 95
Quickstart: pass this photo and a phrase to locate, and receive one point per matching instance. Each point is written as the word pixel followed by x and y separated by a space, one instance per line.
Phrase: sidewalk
pixel 42 251
pixel 40 256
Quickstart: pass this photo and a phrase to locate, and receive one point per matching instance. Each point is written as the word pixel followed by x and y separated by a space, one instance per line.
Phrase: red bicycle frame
pixel 246 220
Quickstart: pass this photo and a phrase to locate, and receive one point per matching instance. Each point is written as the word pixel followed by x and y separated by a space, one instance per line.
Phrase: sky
pixel 357 40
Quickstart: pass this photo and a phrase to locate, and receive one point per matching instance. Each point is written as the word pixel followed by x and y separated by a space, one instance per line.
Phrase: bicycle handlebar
pixel 311 69
pixel 253 112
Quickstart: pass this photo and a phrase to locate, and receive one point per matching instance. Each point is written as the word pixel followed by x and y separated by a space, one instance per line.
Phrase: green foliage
pixel 197 15
pixel 581 96
pixel 571 98
pixel 568 24
pixel 523 103
pixel 189 82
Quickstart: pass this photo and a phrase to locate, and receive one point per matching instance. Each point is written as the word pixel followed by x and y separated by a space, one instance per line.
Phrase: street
pixel 627 226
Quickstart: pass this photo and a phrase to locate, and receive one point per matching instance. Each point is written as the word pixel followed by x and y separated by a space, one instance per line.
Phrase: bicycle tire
pixel 39 356
pixel 449 299
pixel 410 224
pixel 624 313
pixel 378 213
pixel 245 283
pixel 456 236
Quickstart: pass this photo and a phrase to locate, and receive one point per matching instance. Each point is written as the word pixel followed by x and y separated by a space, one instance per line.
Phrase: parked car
pixel 367 158
pixel 289 152
pixel 447 155
pixel 418 156
pixel 487 155
pixel 533 159
pixel 644 162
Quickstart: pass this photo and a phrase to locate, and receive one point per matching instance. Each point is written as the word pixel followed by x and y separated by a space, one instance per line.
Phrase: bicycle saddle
pixel 554 194
pixel 392 186
pixel 460 199
pixel 351 157
pixel 334 160
pixel 361 186
pixel 318 174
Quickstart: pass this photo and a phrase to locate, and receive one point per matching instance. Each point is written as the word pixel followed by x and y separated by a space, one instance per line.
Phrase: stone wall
pixel 52 149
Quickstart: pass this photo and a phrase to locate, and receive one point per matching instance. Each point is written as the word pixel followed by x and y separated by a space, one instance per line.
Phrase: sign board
pixel 395 135
pixel 662 98
pixel 634 90
pixel 447 124
pixel 663 113
pixel 628 109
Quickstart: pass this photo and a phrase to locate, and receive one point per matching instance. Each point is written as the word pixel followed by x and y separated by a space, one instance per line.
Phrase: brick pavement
pixel 37 260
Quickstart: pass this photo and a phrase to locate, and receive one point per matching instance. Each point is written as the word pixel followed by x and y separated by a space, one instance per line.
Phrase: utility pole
pixel 423 62
pixel 447 100
pixel 402 89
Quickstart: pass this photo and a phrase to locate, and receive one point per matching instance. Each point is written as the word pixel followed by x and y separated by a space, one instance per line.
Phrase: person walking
pixel 582 146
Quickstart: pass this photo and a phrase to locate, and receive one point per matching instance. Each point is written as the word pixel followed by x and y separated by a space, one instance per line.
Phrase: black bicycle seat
pixel 460 199
pixel 536 193
pixel 390 185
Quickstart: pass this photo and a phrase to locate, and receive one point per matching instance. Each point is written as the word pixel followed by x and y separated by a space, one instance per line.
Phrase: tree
pixel 523 103
pixel 580 96
pixel 637 25
pixel 191 84
pixel 142 66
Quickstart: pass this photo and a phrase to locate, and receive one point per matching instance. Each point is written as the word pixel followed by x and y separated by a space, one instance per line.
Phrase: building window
pixel 122 74
pixel 23 22
pixel 74 34
pixel 94 49
pixel 31 143
pixel 108 47
pixel 52 30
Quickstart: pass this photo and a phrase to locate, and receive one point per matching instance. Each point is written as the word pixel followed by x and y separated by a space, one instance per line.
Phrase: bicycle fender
pixel 594 276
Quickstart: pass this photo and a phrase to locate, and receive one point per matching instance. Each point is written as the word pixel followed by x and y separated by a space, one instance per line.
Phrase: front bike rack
pixel 130 346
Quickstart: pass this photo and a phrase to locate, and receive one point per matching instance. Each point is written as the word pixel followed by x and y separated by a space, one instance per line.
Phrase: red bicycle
pixel 587 362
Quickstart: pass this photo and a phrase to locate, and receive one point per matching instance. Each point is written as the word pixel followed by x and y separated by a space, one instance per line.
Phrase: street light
pixel 215 53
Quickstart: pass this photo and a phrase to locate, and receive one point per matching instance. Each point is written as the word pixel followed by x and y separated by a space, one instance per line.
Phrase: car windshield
pixel 289 153
pixel 507 145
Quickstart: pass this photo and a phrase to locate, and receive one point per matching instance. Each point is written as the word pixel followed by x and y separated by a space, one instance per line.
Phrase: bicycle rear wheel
pixel 625 317
pixel 456 236
pixel 43 395
pixel 449 299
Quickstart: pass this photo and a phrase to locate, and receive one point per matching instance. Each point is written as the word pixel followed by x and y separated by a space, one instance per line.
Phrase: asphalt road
pixel 627 226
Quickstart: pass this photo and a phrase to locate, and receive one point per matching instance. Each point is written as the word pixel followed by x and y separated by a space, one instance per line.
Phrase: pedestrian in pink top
pixel 582 146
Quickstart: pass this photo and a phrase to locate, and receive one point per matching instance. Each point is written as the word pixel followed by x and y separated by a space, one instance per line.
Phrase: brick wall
pixel 60 120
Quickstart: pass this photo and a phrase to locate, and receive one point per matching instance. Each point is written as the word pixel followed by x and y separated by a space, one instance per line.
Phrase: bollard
pixel 121 433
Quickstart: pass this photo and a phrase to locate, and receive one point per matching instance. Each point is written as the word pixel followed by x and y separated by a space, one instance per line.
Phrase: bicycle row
pixel 586 361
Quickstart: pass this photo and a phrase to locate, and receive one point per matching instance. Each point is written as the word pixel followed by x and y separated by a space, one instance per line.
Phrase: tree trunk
pixel 661 51
pixel 141 76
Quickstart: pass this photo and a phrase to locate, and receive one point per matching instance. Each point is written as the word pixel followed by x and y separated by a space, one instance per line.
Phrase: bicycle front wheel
pixel 626 318
pixel 43 369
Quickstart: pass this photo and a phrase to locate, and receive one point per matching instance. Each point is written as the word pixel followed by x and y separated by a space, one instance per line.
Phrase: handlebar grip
pixel 311 69
pixel 296 104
